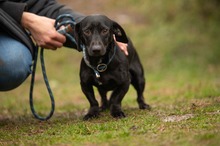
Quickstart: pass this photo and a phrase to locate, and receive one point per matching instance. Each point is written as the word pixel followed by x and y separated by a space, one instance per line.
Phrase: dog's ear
pixel 77 34
pixel 119 32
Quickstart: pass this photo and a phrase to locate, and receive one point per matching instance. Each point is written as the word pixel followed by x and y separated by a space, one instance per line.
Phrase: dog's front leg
pixel 115 100
pixel 94 106
pixel 104 100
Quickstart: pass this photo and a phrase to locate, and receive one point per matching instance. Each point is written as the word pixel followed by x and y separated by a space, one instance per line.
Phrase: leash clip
pixel 97 74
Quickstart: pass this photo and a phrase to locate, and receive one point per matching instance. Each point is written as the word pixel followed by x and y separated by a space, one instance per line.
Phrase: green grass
pixel 179 47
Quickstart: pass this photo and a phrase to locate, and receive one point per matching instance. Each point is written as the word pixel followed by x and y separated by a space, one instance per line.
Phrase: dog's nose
pixel 96 49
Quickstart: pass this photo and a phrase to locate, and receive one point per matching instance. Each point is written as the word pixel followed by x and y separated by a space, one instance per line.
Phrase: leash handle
pixel 68 25
pixel 47 85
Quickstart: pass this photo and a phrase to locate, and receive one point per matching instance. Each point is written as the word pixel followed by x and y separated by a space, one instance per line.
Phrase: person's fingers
pixel 51 43
pixel 60 38
pixel 49 47
pixel 45 45
pixel 55 44
pixel 122 46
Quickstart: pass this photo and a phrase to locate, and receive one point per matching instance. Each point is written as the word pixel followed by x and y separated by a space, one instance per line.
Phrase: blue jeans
pixel 15 62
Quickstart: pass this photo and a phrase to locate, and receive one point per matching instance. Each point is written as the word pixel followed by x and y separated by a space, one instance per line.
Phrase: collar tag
pixel 101 67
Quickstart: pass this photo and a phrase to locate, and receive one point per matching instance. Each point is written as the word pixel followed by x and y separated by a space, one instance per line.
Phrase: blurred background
pixel 180 35
pixel 178 42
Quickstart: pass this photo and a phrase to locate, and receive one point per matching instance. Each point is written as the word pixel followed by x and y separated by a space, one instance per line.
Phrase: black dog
pixel 105 66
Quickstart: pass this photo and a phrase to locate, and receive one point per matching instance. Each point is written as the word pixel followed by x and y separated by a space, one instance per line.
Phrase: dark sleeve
pixel 48 8
pixel 52 9
pixel 14 9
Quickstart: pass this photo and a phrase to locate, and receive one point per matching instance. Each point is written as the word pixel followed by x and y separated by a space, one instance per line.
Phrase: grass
pixel 179 48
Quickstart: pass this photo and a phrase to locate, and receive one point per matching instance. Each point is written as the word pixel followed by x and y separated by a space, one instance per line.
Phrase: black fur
pixel 96 32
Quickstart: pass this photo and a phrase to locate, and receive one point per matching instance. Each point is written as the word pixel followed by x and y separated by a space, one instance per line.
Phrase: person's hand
pixel 122 46
pixel 42 31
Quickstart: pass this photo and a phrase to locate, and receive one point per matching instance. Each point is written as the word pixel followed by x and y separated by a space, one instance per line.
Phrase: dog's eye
pixel 87 32
pixel 104 31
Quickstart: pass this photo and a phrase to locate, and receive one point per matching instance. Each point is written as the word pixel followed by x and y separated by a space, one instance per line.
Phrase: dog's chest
pixel 116 74
pixel 110 80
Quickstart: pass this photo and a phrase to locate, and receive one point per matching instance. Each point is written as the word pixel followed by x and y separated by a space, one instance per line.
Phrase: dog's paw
pixel 116 111
pixel 118 114
pixel 93 113
pixel 90 116
pixel 144 106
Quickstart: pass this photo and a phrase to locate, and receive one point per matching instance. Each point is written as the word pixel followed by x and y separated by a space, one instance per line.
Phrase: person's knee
pixel 15 66
pixel 13 73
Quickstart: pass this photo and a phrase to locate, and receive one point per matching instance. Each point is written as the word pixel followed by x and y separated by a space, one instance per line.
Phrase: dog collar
pixel 100 67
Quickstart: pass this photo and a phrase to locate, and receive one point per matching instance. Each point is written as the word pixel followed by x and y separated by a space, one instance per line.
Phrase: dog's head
pixel 96 32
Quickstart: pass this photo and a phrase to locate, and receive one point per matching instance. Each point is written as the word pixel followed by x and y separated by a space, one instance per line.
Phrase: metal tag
pixel 101 67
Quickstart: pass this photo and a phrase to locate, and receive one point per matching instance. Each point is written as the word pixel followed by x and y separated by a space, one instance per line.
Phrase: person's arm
pixel 42 30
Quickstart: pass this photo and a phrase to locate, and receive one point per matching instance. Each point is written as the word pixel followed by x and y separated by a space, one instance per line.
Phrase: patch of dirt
pixel 177 118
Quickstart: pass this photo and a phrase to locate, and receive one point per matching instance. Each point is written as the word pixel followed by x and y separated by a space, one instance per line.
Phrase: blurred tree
pixel 209 8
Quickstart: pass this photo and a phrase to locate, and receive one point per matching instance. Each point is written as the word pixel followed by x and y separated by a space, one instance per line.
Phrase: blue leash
pixel 70 22
pixel 47 85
